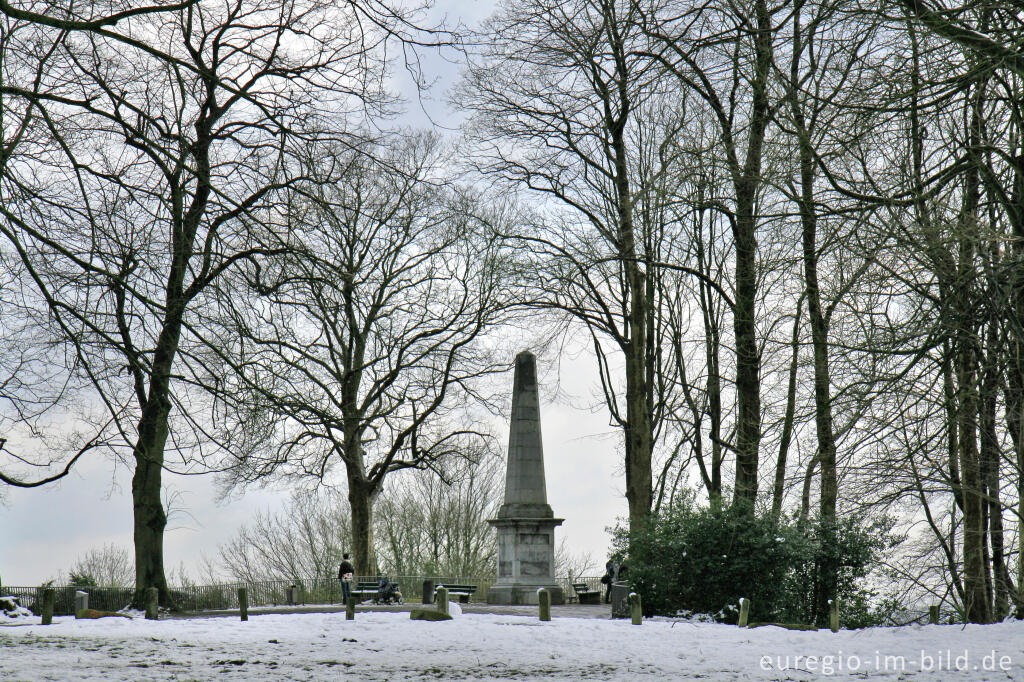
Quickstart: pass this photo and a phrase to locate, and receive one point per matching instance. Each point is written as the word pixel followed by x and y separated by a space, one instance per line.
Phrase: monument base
pixel 518 594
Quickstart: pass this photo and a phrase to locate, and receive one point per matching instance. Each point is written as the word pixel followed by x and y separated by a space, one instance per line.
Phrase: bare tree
pixel 724 54
pixel 573 565
pixel 565 108
pixel 360 347
pixel 944 176
pixel 429 525
pixel 990 36
pixel 109 566
pixel 169 132
pixel 305 539
pixel 424 526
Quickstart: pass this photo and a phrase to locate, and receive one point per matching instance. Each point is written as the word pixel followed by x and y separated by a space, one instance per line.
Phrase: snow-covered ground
pixel 389 646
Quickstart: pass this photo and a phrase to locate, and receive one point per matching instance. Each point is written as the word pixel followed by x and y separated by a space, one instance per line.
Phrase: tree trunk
pixel 1014 393
pixel 787 424
pixel 990 458
pixel 976 576
pixel 975 570
pixel 952 433
pixel 150 517
pixel 1015 407
pixel 361 504
pixel 150 521
pixel 1015 380
pixel 827 570
pixel 748 359
pixel 639 472
pixel 712 348
pixel 805 494
pixel 639 435
pixel 819 342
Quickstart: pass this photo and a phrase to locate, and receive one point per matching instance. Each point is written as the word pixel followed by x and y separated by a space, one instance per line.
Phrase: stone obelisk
pixel 525 522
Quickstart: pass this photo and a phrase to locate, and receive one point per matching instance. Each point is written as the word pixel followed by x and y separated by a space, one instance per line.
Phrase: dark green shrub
pixel 867 608
pixel 81 580
pixel 704 560
pixel 841 553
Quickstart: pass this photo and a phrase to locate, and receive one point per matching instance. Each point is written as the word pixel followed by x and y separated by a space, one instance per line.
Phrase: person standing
pixel 345 572
pixel 611 571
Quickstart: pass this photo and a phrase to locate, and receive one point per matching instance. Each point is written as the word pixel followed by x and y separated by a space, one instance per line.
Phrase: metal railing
pixel 100 598
pixel 264 593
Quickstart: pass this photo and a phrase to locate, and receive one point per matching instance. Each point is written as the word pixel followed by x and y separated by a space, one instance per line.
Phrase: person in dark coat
pixel 345 572
pixel 611 571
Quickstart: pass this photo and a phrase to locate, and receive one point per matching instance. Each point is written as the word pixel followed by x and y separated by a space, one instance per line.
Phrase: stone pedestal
pixel 81 601
pixel 526 561
pixel 620 600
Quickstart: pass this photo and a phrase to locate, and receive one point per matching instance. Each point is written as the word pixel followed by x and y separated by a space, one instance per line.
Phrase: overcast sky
pixel 43 531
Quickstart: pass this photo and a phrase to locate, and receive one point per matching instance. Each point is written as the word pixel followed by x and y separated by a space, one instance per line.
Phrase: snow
pixel 11 610
pixel 388 645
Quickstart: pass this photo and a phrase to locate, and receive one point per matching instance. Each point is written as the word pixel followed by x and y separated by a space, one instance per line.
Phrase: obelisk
pixel 525 522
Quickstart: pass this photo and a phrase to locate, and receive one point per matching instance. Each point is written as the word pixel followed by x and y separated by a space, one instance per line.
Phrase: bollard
pixel 544 603
pixel 428 591
pixel 81 601
pixel 350 607
pixel 635 610
pixel 833 615
pixel 49 596
pixel 933 614
pixel 243 603
pixel 744 611
pixel 152 603
pixel 442 599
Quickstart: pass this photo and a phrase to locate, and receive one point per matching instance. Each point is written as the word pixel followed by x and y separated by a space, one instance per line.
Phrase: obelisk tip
pixel 526 371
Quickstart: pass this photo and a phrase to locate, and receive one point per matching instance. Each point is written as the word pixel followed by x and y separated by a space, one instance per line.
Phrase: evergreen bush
pixel 703 560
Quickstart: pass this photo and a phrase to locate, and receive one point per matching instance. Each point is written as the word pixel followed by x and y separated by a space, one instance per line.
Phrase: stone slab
pixel 522 594
pixel 428 614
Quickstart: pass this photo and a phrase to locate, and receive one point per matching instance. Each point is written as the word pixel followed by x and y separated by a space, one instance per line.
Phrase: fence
pixel 266 593
pixel 102 598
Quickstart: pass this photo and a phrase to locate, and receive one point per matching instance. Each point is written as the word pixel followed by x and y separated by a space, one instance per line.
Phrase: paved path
pixel 565 610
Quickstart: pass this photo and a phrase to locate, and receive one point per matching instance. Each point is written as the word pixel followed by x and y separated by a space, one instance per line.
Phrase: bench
pixel 364 589
pixel 463 592
pixel 586 595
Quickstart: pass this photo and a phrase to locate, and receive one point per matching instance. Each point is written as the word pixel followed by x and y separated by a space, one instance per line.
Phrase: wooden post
pixel 544 603
pixel 635 610
pixel 350 607
pixel 48 599
pixel 933 614
pixel 152 603
pixel 442 599
pixel 744 611
pixel 243 603
pixel 833 615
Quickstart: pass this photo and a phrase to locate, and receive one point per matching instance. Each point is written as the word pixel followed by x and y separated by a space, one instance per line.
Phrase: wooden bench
pixel 586 595
pixel 463 592
pixel 364 589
